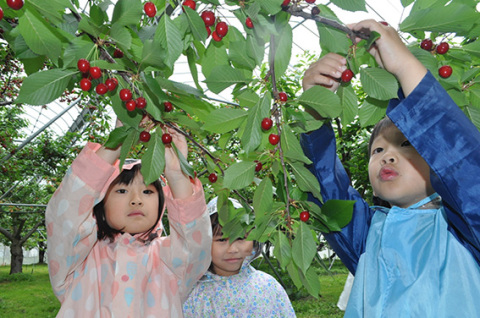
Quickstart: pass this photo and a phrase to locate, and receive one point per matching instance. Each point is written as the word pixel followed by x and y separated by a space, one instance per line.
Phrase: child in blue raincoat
pixel 420 257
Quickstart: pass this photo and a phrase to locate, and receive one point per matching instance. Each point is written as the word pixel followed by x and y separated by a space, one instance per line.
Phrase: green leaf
pixel 371 39
pixel 262 200
pixel 214 56
pixel 131 119
pixel 224 120
pixel 239 175
pixel 331 39
pixel 197 26
pixel 349 102
pixel 191 59
pixel 239 55
pixel 291 146
pixel 378 83
pixel 169 36
pixel 152 56
pixel 283 50
pixel 271 7
pixel 39 36
pixel 311 282
pixel 372 111
pixel 116 137
pixel 338 213
pixel 473 48
pixel 303 247
pixel 121 36
pixel 453 18
pixel 282 250
pixel 127 12
pixel 153 160
pixel 130 141
pixel 44 87
pixel 186 167
pixel 322 100
pixel 224 76
pixel 252 135
pixel 306 180
pixel 351 5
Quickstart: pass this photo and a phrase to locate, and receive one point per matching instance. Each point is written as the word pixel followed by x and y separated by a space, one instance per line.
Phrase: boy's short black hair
pixel 125 177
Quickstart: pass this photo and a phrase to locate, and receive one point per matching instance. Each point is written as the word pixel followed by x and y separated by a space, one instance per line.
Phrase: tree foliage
pixel 49 37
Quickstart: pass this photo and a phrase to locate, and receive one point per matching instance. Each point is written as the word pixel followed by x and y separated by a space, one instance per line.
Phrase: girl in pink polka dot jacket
pixel 106 255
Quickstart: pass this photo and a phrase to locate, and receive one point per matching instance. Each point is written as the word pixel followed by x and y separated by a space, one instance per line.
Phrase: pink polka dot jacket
pixel 124 278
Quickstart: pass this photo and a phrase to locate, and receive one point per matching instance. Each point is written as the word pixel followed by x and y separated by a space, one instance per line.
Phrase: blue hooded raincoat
pixel 422 261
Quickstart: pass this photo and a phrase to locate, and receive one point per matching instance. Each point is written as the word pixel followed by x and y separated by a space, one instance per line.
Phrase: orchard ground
pixel 29 294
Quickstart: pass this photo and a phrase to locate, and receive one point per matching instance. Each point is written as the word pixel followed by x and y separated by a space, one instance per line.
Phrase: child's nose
pixel 233 248
pixel 136 199
pixel 389 158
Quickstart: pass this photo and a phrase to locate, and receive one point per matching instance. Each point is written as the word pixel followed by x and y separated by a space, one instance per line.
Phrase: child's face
pixel 397 172
pixel 227 258
pixel 132 208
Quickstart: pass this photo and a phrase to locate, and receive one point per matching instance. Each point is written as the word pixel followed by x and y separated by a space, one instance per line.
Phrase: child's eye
pixel 406 143
pixel 221 240
pixel 121 191
pixel 148 191
pixel 377 150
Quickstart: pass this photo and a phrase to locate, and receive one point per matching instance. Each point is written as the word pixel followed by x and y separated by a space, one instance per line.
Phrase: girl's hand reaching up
pixel 179 182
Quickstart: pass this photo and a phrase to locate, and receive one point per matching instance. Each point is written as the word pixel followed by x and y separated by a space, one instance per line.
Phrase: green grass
pixel 29 294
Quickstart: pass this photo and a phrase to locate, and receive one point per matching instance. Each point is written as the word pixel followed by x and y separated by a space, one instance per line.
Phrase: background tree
pixel 136 46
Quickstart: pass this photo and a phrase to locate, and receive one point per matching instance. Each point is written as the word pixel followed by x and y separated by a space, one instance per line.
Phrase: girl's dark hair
pixel 125 177
pixel 379 127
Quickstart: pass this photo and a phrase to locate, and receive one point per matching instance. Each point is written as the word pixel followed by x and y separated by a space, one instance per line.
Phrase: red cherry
pixel 222 29
pixel 130 105
pixel 282 96
pixel 208 18
pixel 267 123
pixel 347 76
pixel 212 177
pixel 141 102
pixel 274 139
pixel 150 9
pixel 285 3
pixel 144 136
pixel 125 94
pixel 310 1
pixel 189 3
pixel 166 138
pixel 83 65
pixel 445 71
pixel 258 166
pixel 249 23
pixel 111 83
pixel 426 44
pixel 95 72
pixel 442 48
pixel 118 54
pixel 384 23
pixel 209 32
pixel 304 216
pixel 1 14
pixel 85 84
pixel 168 106
pixel 15 4
pixel 216 37
pixel 101 89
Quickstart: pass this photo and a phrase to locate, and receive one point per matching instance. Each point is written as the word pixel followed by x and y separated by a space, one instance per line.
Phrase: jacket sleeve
pixel 71 227
pixel 450 144
pixel 190 239
pixel 320 147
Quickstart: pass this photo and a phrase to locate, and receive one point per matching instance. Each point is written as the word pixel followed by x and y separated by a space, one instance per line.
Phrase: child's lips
pixel 387 174
pixel 233 260
pixel 136 213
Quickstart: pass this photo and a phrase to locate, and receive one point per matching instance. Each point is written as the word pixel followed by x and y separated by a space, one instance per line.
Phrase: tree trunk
pixel 41 252
pixel 16 253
